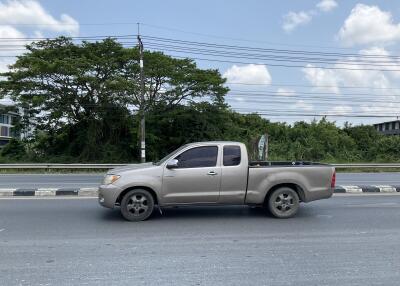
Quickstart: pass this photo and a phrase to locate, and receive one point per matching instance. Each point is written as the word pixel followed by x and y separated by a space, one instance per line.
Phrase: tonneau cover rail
pixel 284 163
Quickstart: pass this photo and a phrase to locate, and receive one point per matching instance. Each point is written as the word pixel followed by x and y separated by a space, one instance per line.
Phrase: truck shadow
pixel 209 212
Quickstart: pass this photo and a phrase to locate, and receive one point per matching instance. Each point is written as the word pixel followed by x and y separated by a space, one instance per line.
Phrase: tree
pixel 95 87
pixel 14 149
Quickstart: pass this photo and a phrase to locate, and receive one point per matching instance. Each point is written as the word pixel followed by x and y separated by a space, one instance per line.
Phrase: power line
pixel 328 102
pixel 175 30
pixel 310 93
pixel 247 48
pixel 359 59
pixel 95 37
pixel 268 57
pixel 213 45
pixel 241 39
pixel 319 115
pixel 274 58
pixel 67 24
pixel 287 113
pixel 285 65
pixel 310 86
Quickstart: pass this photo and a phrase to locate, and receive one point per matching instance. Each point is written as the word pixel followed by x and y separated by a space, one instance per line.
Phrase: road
pixel 346 240
pixel 93 180
pixel 50 180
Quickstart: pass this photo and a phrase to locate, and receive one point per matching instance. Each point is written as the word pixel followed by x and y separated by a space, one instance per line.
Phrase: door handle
pixel 212 173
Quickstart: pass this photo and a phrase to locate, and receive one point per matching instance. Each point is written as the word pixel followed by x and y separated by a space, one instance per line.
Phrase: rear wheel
pixel 283 203
pixel 137 205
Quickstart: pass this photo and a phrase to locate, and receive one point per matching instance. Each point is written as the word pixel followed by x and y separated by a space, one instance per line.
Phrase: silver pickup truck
pixel 215 173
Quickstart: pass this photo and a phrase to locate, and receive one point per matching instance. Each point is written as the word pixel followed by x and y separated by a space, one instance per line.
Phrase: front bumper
pixel 108 195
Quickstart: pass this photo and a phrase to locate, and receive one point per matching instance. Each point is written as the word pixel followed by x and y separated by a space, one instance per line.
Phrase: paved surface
pixel 346 240
pixel 93 180
pixel 50 180
pixel 390 178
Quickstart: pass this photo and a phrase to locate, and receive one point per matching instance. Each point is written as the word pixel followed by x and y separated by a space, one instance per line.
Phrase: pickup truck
pixel 215 173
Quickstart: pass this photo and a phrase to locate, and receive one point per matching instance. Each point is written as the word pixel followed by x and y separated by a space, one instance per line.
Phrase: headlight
pixel 109 179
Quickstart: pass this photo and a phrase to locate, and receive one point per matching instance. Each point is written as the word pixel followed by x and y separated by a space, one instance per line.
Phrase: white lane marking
pixel 41 184
pixel 1 229
pixel 7 192
pixel 352 189
pixel 89 192
pixel 45 174
pixel 46 192
pixel 385 188
pixel 364 194
pixel 48 198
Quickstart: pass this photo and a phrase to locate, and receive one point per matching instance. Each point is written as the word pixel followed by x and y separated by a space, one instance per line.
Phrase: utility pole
pixel 142 106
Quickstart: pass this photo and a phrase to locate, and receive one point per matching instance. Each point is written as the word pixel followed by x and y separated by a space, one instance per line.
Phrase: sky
pixel 281 78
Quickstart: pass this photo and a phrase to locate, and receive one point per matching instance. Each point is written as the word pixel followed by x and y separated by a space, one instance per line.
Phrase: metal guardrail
pixel 110 166
pixel 59 166
pixel 367 165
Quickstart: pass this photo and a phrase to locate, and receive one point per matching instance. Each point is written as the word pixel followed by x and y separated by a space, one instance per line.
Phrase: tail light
pixel 333 180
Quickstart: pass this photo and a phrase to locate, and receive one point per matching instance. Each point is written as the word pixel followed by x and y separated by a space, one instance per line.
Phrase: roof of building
pixel 398 120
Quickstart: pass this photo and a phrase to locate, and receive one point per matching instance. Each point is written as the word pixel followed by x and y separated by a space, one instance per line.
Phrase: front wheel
pixel 137 205
pixel 283 203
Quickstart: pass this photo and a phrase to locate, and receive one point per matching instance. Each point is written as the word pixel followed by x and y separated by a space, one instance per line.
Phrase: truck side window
pixel 232 155
pixel 198 157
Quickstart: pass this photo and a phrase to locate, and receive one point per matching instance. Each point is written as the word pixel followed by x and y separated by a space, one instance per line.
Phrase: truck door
pixel 196 179
pixel 234 175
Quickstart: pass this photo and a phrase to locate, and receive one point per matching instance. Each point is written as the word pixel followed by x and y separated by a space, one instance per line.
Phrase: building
pixel 7 121
pixel 388 128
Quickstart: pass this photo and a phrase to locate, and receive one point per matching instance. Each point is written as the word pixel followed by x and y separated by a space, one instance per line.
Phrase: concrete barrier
pixel 50 192
pixel 93 192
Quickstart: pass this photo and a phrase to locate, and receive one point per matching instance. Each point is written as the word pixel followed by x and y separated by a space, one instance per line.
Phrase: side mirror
pixel 172 164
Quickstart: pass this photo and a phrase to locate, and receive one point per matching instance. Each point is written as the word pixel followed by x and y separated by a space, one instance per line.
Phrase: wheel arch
pixel 124 192
pixel 299 190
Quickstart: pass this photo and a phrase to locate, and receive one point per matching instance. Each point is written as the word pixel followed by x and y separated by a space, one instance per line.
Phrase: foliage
pixel 82 95
pixel 85 101
pixel 14 149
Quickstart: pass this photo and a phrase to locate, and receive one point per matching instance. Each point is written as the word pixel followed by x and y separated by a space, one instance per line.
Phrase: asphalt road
pixel 346 240
pixel 93 180
pixel 50 180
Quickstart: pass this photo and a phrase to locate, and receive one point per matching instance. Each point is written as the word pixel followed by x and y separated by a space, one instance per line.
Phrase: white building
pixel 7 121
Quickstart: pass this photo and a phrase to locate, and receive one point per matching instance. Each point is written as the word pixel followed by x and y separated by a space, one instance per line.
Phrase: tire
pixel 283 203
pixel 137 205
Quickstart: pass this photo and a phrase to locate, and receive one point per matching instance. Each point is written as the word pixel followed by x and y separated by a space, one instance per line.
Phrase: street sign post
pixel 263 148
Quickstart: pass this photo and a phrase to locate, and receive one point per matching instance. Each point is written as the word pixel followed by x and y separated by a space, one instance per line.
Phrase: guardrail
pixel 367 165
pixel 110 166
pixel 59 166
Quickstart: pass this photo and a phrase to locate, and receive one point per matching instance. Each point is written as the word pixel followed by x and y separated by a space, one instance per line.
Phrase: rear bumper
pixel 314 195
pixel 108 195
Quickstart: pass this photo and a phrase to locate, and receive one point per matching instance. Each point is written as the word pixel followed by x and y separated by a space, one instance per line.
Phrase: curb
pixel 367 189
pixel 49 192
pixel 93 192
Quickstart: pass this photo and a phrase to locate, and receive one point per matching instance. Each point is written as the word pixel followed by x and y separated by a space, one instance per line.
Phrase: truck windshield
pixel 166 158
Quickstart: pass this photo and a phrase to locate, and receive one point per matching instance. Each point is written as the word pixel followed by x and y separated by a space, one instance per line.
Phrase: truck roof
pixel 216 142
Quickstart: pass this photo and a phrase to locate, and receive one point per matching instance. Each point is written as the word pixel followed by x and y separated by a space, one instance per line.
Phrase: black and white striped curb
pixel 93 192
pixel 367 189
pixel 49 192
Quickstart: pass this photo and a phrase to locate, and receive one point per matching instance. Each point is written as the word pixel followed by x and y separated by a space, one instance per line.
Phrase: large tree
pixel 95 87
